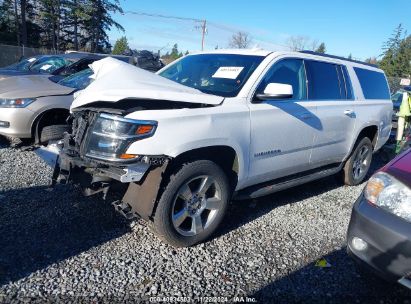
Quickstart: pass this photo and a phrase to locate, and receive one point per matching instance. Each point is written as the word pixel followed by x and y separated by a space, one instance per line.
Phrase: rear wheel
pixel 358 164
pixel 192 204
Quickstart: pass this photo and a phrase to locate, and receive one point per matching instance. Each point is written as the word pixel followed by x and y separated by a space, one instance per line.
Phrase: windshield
pixel 22 65
pixel 218 74
pixel 50 64
pixel 78 80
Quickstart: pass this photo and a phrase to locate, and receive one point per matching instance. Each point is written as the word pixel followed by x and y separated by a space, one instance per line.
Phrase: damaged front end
pixel 94 157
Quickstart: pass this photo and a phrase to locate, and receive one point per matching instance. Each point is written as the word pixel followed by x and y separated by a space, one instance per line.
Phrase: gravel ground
pixel 58 245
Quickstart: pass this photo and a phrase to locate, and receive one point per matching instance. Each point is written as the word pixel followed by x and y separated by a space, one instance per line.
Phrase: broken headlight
pixel 111 135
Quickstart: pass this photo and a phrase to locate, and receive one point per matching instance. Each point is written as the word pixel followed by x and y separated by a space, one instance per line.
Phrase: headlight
pixel 389 194
pixel 15 103
pixel 111 135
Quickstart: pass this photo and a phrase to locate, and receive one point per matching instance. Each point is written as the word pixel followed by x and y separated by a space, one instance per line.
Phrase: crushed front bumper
pixel 388 242
pixel 133 172
pixel 141 181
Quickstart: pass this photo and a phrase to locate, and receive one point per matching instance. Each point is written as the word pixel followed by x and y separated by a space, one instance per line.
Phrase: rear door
pixel 329 87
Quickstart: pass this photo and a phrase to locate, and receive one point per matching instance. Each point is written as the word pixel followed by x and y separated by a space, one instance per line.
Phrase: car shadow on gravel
pixel 4 142
pixel 342 282
pixel 242 212
pixel 39 227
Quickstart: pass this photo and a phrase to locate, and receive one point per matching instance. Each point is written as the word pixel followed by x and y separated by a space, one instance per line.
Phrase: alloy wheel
pixel 361 163
pixel 196 205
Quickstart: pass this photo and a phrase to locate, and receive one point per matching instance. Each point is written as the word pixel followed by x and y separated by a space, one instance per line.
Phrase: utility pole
pixel 203 31
pixel 202 27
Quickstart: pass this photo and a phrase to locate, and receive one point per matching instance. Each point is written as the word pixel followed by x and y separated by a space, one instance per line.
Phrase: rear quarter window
pixel 373 84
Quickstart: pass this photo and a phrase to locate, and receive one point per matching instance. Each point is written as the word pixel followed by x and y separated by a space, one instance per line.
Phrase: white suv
pixel 221 125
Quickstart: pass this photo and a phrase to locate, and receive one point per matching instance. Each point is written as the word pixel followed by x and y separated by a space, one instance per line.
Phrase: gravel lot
pixel 59 245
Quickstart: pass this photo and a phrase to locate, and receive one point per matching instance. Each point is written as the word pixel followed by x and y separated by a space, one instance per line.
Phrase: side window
pixel 373 84
pixel 287 71
pixel 323 81
pixel 348 85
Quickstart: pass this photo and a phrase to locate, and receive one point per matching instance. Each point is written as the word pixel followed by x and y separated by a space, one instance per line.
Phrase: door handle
pixel 306 116
pixel 349 113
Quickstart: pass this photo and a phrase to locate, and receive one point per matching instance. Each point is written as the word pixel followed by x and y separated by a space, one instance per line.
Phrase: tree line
pixel 396 56
pixel 84 25
pixel 59 24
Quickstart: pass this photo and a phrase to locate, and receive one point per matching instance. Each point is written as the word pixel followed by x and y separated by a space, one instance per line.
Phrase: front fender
pixel 180 131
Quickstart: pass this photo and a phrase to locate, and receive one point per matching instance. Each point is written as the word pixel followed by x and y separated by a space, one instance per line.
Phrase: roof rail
pixel 338 57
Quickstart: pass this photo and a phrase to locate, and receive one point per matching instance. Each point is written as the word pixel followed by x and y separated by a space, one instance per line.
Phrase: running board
pixel 286 182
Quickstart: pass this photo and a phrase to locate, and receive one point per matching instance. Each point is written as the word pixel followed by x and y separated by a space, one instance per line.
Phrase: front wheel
pixel 358 164
pixel 193 204
pixel 53 132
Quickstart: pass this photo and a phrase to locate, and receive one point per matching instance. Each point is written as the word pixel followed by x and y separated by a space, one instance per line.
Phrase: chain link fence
pixel 10 54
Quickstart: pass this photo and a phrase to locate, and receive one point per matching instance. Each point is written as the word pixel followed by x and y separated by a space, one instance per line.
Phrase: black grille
pixel 75 142
pixel 79 132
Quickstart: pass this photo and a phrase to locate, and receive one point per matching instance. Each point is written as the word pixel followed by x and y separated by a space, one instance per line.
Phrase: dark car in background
pixel 42 64
pixel 59 66
pixel 379 234
pixel 82 64
pixel 146 60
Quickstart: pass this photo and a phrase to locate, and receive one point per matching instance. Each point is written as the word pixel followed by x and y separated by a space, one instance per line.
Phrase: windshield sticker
pixel 228 72
pixel 31 59
pixel 45 67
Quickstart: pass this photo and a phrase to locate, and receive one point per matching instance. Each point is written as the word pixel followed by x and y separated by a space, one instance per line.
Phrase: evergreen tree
pixel 393 43
pixel 397 55
pixel 58 24
pixel 100 22
pixel 174 52
pixel 8 22
pixel 321 49
pixel 120 46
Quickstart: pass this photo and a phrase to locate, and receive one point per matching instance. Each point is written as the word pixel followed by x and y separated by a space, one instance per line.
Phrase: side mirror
pixel 276 91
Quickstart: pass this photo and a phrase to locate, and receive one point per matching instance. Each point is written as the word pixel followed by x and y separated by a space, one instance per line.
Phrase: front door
pixel 282 131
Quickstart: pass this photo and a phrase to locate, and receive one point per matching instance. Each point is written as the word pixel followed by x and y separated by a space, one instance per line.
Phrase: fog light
pixel 359 244
pixel 4 124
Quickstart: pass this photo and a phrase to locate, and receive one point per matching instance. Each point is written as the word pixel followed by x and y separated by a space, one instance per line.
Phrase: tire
pixel 53 132
pixel 358 164
pixel 182 217
pixel 26 141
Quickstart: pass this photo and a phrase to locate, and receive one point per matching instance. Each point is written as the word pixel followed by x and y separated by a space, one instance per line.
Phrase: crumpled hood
pixel 116 80
pixel 31 86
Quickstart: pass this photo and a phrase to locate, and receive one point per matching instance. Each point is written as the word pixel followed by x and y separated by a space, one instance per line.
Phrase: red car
pixel 379 234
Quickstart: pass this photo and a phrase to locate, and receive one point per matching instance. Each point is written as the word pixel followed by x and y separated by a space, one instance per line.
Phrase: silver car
pixel 36 107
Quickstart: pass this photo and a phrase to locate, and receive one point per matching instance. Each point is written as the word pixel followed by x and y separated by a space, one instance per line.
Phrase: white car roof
pixel 255 52
pixel 307 55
